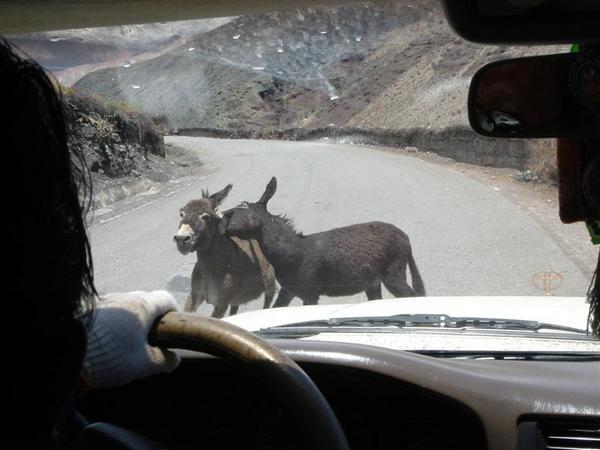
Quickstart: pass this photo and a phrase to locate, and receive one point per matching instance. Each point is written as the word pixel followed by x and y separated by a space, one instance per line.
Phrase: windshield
pixel 354 175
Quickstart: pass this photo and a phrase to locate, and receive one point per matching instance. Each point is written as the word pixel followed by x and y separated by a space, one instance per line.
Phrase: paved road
pixel 467 238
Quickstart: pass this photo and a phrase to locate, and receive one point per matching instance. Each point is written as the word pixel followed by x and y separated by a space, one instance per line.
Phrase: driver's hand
pixel 117 349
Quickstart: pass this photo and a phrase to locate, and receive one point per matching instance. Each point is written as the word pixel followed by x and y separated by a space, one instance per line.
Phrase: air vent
pixel 560 434
pixel 567 436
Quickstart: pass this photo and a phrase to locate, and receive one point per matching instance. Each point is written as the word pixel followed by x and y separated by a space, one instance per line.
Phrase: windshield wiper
pixel 401 321
pixel 513 355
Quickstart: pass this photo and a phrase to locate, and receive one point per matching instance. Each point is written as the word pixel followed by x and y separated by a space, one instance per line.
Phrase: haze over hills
pixel 70 54
pixel 388 66
pixel 268 70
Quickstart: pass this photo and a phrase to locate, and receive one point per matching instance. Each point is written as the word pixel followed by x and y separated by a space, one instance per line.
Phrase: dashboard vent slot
pixel 570 435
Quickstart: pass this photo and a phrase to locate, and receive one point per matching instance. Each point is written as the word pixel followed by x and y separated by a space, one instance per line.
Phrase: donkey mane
pixel 288 222
pixel 205 193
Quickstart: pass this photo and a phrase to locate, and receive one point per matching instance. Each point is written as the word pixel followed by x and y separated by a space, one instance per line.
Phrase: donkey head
pixel 244 221
pixel 200 221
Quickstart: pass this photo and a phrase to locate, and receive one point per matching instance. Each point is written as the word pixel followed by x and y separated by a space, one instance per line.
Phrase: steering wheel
pixel 290 385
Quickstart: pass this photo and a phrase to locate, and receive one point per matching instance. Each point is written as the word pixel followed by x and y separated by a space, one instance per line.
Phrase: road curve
pixel 467 238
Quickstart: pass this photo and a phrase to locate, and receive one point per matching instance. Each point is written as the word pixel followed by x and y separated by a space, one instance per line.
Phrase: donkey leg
pixel 196 296
pixel 219 310
pixel 193 302
pixel 284 298
pixel 233 309
pixel 310 301
pixel 374 291
pixel 268 300
pixel 398 286
pixel 269 294
pixel 395 279
pixel 189 304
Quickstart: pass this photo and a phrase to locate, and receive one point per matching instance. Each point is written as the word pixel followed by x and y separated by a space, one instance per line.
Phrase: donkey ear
pixel 269 192
pixel 218 197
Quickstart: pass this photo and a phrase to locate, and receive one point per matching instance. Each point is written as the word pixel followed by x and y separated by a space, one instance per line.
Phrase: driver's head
pixel 46 255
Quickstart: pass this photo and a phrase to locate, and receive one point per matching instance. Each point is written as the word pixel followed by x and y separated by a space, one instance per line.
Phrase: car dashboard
pixel 383 398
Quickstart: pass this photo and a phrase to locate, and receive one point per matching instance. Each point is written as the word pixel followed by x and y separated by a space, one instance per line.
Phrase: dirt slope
pixel 391 66
pixel 279 69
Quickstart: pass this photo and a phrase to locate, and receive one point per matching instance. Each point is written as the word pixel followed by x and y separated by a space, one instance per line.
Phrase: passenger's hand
pixel 118 351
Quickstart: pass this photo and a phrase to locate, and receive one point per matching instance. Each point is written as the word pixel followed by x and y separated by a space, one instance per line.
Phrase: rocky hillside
pixel 387 73
pixel 391 66
pixel 269 70
pixel 122 148
pixel 115 140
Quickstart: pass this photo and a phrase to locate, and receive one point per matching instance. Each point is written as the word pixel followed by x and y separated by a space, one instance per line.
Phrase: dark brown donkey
pixel 342 261
pixel 229 271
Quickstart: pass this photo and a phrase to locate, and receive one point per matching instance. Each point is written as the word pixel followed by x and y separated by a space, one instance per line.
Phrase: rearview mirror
pixel 537 97
pixel 524 21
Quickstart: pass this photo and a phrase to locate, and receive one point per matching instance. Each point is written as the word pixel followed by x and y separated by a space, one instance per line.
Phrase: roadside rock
pixel 115 142
pixel 122 148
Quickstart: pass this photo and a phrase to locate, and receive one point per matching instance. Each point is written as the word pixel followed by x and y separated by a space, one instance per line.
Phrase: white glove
pixel 117 349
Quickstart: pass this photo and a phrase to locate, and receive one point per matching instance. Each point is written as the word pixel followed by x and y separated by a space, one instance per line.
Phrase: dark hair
pixel 47 192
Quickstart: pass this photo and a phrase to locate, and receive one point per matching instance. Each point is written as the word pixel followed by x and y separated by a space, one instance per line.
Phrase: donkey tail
pixel 417 281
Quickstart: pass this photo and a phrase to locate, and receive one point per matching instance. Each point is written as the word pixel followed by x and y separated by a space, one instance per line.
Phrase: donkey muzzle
pixel 184 239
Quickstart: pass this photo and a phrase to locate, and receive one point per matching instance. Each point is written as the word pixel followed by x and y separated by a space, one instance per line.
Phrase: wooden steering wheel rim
pixel 291 386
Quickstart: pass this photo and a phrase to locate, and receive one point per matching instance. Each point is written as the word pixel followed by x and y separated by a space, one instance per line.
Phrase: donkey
pixel 229 271
pixel 342 261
